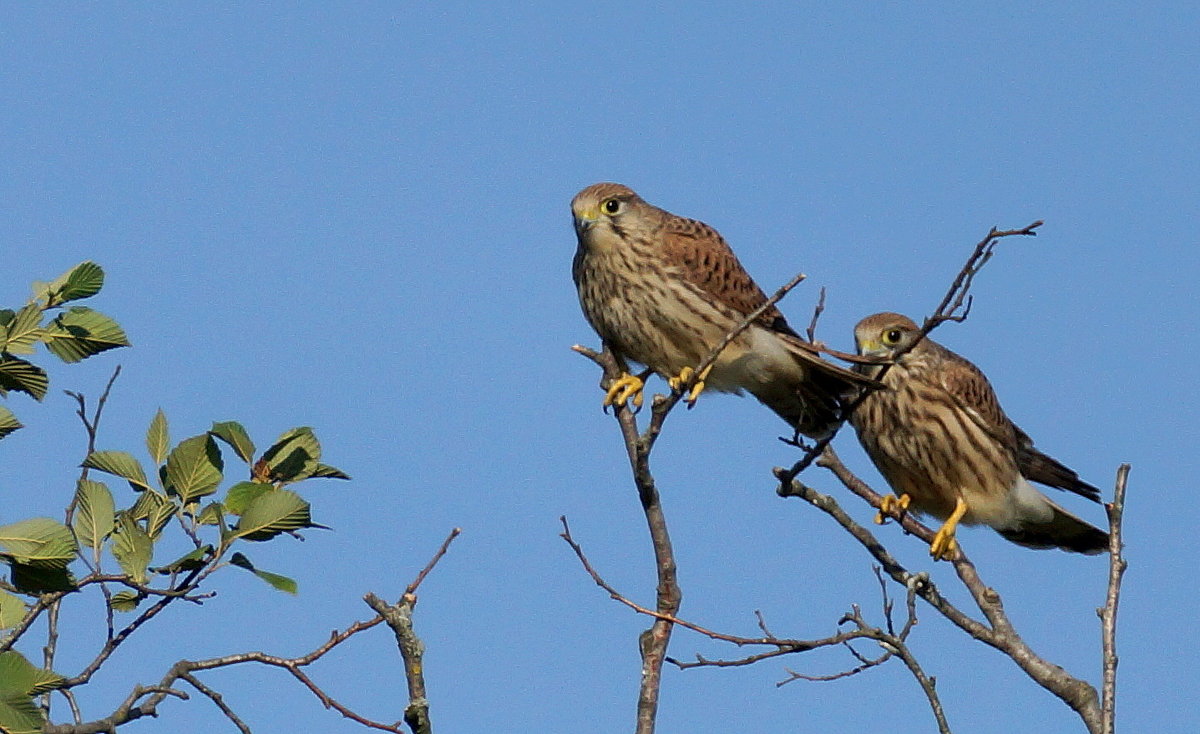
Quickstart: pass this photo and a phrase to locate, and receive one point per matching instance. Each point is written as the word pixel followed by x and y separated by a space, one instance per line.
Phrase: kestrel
pixel 662 290
pixel 938 436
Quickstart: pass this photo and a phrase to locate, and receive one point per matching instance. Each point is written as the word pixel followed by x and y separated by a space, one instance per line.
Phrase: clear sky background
pixel 357 219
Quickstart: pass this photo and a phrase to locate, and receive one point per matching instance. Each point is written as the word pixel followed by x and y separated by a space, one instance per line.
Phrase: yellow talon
pixel 623 388
pixel 892 505
pixel 686 376
pixel 944 543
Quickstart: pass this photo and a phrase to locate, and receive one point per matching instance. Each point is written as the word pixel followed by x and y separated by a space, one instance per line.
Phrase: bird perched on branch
pixel 938 436
pixel 663 291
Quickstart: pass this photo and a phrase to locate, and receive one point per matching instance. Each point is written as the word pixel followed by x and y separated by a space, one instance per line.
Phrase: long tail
pixel 1060 530
pixel 1046 470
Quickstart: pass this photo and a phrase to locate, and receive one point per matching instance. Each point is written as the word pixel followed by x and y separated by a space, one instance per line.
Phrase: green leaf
pixel 325 471
pixel 21 376
pixel 38 541
pixel 18 675
pixel 194 468
pixel 212 514
pixel 232 433
pixel 125 601
pixel 35 580
pixel 94 509
pixel 22 330
pixel 155 509
pixel 293 457
pixel 242 494
pixel 81 332
pixel 19 714
pixel 83 281
pixel 8 422
pixel 12 610
pixel 133 549
pixel 272 513
pixel 188 562
pixel 283 583
pixel 158 441
pixel 119 463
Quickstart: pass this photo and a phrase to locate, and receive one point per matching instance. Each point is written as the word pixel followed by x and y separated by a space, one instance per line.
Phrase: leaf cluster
pixel 182 494
pixel 70 333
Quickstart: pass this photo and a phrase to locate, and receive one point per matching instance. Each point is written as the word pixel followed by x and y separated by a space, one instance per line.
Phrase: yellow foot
pixel 623 388
pixel 892 505
pixel 944 543
pixel 685 376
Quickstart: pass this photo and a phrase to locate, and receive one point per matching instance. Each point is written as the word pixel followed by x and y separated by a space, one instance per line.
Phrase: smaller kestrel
pixel 938 436
pixel 663 291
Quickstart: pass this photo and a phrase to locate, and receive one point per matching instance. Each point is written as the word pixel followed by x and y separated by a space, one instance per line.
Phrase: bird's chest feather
pixel 640 306
pixel 929 448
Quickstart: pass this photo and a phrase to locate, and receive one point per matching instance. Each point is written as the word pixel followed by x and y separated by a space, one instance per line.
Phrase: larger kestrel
pixel 938 436
pixel 663 291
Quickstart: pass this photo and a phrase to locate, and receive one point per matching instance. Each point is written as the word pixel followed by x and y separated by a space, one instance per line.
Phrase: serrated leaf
pixel 212 514
pixel 158 440
pixel 82 281
pixel 94 509
pixel 232 433
pixel 242 494
pixel 325 471
pixel 188 562
pixel 293 457
pixel 18 675
pixel 272 513
pixel 21 376
pixel 119 463
pixel 283 583
pixel 8 422
pixel 81 332
pixel 35 580
pixel 38 541
pixel 125 601
pixel 155 509
pixel 12 610
pixel 194 468
pixel 22 330
pixel 132 548
pixel 20 715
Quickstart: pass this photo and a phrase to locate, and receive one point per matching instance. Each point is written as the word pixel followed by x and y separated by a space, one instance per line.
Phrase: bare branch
pixel 820 309
pixel 412 588
pixel 1108 614
pixel 412 650
pixel 998 632
pixel 217 699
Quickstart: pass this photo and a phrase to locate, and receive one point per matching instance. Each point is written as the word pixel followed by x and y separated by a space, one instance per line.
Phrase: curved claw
pixel 891 505
pixel 944 543
pixel 623 388
pixel 686 377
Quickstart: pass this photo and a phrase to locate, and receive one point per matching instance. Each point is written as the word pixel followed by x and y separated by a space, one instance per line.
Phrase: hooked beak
pixel 584 220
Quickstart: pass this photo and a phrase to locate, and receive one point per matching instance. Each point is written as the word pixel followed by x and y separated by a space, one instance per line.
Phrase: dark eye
pixel 892 336
pixel 612 206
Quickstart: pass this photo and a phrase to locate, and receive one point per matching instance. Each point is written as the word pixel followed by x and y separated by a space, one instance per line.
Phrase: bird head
pixel 598 210
pixel 884 334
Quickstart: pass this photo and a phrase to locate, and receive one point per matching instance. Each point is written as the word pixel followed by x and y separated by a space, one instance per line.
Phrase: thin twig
pixel 217 699
pixel 1108 613
pixel 412 588
pixel 820 309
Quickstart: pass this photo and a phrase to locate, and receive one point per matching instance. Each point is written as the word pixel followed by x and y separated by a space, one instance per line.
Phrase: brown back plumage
pixel 663 290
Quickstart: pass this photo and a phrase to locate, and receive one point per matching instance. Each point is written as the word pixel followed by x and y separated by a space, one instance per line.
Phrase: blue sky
pixel 357 219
